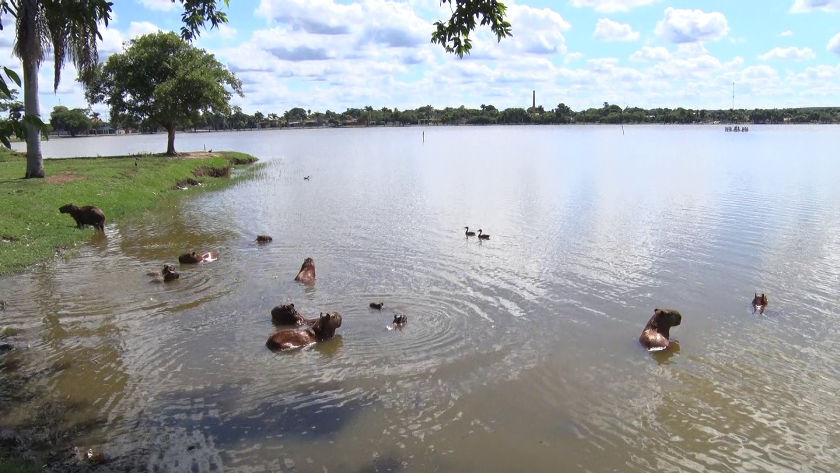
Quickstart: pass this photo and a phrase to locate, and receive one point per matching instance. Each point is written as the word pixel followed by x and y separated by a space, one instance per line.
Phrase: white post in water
pixel 424 137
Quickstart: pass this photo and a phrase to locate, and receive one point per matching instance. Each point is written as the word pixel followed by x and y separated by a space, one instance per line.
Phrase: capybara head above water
pixel 657 331
pixel 307 271
pixel 326 324
pixel 263 239
pixel 169 273
pixel 323 329
pixel 286 314
pixel 195 258
pixel 87 215
pixel 760 302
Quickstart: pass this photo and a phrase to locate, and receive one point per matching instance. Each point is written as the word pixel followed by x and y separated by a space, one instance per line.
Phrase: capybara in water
pixel 760 303
pixel 656 332
pixel 286 314
pixel 195 258
pixel 322 329
pixel 400 320
pixel 87 215
pixel 377 305
pixel 263 239
pixel 167 274
pixel 307 271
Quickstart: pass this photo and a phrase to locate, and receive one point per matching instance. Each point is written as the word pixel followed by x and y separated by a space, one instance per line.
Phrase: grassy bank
pixel 32 229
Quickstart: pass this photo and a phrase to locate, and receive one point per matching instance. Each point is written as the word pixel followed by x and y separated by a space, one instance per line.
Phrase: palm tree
pixel 70 31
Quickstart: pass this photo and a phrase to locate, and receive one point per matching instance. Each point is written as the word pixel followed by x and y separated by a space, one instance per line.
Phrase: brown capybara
pixel 656 332
pixel 195 258
pixel 307 271
pixel 377 305
pixel 760 303
pixel 322 329
pixel 263 239
pixel 87 215
pixel 400 320
pixel 167 274
pixel 286 314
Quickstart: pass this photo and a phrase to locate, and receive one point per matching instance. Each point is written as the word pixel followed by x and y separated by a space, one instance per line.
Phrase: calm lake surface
pixel 521 353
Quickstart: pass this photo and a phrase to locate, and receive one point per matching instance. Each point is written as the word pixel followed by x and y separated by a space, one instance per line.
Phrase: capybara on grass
pixel 656 335
pixel 760 303
pixel 195 258
pixel 286 314
pixel 87 215
pixel 322 329
pixel 307 272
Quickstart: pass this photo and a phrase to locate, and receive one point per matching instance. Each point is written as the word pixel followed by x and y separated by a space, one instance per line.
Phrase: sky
pixel 337 54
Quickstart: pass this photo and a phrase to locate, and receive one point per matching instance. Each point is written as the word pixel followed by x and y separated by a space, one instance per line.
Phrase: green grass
pixel 31 227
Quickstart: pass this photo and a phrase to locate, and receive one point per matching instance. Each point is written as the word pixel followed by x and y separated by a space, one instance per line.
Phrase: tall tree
pixel 454 35
pixel 69 29
pixel 163 79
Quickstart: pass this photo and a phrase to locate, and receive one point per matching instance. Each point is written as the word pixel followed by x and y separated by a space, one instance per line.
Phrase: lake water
pixel 521 353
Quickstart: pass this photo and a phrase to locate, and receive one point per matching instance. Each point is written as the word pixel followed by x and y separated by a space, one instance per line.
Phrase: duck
pixel 468 232
pixel 377 305
pixel 483 236
pixel 400 320
pixel 263 239
pixel 760 303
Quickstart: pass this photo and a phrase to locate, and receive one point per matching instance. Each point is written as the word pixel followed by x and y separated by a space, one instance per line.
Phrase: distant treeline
pixel 489 115
pixel 236 119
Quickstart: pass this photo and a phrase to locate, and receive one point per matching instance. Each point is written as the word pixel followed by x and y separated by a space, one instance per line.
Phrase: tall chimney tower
pixel 534 102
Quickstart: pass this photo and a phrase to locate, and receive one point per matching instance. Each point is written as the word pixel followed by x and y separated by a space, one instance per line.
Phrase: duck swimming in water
pixel 377 305
pixel 468 232
pixel 760 303
pixel 483 236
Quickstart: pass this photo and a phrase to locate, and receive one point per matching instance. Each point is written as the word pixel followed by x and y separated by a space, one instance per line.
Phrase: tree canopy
pixel 73 121
pixel 160 78
pixel 454 34
pixel 69 30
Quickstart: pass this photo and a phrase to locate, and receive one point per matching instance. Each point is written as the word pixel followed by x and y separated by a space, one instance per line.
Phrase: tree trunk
pixel 170 142
pixel 34 160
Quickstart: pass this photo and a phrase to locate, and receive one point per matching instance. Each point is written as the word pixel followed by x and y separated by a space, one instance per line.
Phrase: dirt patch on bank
pixel 63 177
pixel 199 154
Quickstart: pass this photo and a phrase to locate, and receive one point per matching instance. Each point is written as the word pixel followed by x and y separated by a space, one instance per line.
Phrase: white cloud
pixel 785 34
pixel 648 53
pixel 608 30
pixel 791 53
pixel 139 28
pixel 688 26
pixel 834 44
pixel 226 32
pixel 610 6
pixel 159 5
pixel 805 6
pixel 573 56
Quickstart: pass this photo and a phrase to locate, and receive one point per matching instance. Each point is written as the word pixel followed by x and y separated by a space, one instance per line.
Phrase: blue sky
pixel 335 54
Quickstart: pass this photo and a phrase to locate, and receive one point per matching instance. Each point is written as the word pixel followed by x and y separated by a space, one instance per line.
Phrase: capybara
pixel 760 303
pixel 322 329
pixel 195 258
pixel 87 215
pixel 400 320
pixel 656 332
pixel 167 274
pixel 286 314
pixel 263 239
pixel 307 271
pixel 377 305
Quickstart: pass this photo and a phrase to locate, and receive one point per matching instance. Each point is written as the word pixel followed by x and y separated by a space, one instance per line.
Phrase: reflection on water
pixel 520 353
